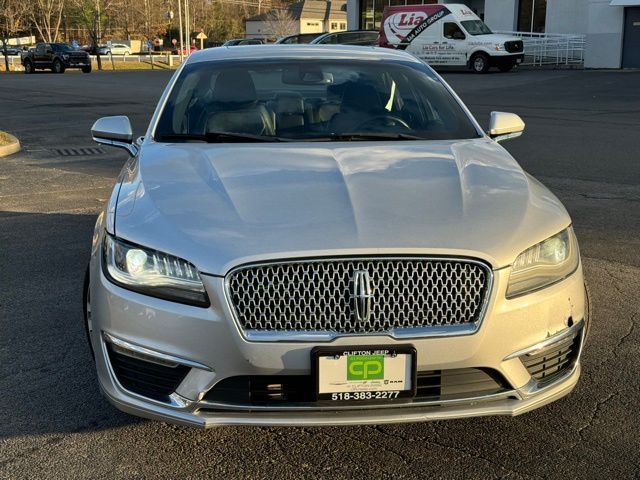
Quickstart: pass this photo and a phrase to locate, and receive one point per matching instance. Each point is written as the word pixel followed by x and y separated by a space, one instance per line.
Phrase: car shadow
pixel 47 376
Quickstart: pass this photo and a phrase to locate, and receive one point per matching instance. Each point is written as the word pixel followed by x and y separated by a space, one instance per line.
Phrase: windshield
pixel 61 47
pixel 476 27
pixel 310 100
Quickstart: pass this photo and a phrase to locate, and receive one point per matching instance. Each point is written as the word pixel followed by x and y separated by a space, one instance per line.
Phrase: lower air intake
pixel 147 378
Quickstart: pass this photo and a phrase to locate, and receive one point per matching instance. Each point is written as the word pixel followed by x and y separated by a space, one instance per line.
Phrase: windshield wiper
pixel 221 137
pixel 346 137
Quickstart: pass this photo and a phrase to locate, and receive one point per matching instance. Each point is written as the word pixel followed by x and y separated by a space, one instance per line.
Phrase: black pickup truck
pixel 55 56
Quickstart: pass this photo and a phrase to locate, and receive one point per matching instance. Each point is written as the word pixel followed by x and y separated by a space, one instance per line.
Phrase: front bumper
pixel 77 62
pixel 209 341
pixel 518 402
pixel 506 60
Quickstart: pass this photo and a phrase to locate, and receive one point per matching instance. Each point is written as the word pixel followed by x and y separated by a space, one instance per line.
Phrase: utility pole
pixel 181 37
pixel 187 32
pixel 533 13
pixel 98 34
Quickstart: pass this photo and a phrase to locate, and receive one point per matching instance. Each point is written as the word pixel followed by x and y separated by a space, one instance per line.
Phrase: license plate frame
pixel 356 351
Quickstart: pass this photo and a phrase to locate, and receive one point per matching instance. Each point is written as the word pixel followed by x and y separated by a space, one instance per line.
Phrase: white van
pixel 448 35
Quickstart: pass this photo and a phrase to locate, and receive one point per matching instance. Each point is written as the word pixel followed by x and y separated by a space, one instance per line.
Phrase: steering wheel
pixel 384 120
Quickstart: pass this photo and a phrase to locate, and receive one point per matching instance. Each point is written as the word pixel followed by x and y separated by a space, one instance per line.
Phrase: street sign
pixel 202 37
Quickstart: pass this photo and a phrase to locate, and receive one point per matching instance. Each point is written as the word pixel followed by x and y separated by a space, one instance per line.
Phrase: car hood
pixel 222 205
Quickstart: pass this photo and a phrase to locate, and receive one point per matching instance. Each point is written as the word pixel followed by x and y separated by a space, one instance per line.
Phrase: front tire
pixel 57 67
pixel 480 63
pixel 86 69
pixel 588 311
pixel 86 302
pixel 28 67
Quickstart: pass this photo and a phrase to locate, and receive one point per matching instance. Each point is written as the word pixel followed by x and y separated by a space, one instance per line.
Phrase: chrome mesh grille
pixel 315 296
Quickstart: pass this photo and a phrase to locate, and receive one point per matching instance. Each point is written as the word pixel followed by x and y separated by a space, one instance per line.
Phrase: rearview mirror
pixel 504 126
pixel 114 131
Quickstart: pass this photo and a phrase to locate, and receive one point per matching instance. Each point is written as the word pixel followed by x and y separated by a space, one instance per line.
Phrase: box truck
pixel 448 35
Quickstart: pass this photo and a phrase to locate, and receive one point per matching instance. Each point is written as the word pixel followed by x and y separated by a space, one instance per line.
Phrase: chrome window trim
pixel 328 336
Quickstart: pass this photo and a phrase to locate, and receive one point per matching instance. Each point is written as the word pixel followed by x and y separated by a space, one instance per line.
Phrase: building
pixel 309 16
pixel 612 27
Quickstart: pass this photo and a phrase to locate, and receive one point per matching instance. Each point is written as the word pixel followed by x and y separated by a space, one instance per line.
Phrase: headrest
pixel 360 96
pixel 234 86
pixel 289 103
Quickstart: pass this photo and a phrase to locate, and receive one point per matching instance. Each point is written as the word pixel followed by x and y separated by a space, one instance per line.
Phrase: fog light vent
pixel 554 359
pixel 148 377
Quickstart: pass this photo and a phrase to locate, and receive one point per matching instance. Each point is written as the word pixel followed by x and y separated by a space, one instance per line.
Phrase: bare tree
pixel 46 16
pixel 281 23
pixel 90 14
pixel 12 16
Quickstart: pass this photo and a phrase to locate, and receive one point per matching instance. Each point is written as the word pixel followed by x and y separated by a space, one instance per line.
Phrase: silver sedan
pixel 325 235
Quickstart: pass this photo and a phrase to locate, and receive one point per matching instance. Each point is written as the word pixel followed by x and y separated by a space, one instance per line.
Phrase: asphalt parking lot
pixel 580 140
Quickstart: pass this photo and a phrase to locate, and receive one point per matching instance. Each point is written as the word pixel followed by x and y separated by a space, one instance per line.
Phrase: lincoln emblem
pixel 361 295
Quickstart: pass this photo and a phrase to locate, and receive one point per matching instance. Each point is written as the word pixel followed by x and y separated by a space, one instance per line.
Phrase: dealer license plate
pixel 369 374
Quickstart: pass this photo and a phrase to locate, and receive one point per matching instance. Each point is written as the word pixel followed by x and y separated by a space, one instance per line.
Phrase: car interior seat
pixel 360 102
pixel 290 112
pixel 236 107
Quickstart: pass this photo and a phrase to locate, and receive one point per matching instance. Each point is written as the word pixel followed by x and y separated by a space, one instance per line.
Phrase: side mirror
pixel 114 131
pixel 504 126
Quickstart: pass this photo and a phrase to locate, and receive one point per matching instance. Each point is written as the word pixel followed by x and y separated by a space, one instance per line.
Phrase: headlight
pixel 499 47
pixel 543 264
pixel 152 273
pixel 65 57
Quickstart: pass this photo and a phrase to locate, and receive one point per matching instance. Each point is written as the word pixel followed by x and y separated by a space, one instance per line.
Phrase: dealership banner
pixel 403 23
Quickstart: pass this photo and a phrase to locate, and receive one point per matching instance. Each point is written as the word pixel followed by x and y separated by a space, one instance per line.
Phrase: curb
pixel 12 147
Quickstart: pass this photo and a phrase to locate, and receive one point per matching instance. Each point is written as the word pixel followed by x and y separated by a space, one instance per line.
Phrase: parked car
pixel 119 49
pixel 10 50
pixel 456 38
pixel 299 38
pixel 349 37
pixel 319 235
pixel 55 56
pixel 185 50
pixel 93 50
pixel 242 41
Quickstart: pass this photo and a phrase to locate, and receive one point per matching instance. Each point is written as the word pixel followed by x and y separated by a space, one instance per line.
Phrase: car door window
pixel 348 38
pixel 330 39
pixel 453 31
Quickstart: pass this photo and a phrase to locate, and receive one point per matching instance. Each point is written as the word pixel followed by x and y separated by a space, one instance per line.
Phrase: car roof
pixel 300 51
